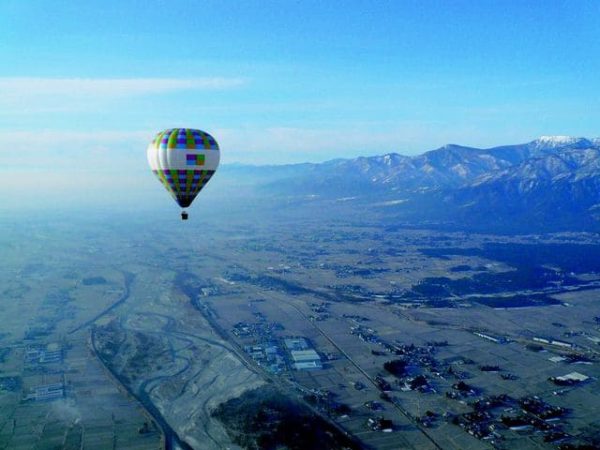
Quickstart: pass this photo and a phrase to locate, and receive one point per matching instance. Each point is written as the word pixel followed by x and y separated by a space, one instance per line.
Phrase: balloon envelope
pixel 184 160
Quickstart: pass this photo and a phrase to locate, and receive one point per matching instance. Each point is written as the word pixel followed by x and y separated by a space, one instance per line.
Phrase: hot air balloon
pixel 184 160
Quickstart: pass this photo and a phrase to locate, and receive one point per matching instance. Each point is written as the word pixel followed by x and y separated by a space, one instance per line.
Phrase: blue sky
pixel 87 84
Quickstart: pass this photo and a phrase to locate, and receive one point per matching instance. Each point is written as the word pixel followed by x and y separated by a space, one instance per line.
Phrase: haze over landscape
pixel 399 250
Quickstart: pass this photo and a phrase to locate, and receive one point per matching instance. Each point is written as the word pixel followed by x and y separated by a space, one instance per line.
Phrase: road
pixel 128 278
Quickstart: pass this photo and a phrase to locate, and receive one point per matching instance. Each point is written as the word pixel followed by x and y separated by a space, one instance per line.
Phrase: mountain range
pixel 551 183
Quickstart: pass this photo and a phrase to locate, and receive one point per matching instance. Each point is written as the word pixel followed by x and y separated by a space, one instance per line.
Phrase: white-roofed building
pixel 306 359
pixel 573 376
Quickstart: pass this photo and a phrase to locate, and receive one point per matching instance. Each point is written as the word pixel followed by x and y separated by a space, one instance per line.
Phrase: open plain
pixel 411 338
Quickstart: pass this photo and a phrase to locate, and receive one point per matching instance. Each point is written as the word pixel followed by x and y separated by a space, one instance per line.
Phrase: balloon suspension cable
pixel 184 215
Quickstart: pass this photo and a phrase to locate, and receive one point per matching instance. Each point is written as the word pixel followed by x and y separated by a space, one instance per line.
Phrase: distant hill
pixel 547 184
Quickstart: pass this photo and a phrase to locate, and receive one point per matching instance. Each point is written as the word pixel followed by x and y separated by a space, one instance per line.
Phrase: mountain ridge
pixel 553 181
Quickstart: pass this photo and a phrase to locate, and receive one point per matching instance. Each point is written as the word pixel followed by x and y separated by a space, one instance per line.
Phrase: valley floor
pixel 387 339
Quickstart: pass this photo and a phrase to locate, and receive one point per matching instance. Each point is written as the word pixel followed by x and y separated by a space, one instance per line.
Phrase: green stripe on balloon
pixel 173 139
pixel 201 180
pixel 163 179
pixel 206 141
pixel 189 137
pixel 188 181
pixel 174 179
pixel 158 139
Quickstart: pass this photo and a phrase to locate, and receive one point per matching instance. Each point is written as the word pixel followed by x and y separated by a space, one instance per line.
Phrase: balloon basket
pixel 184 215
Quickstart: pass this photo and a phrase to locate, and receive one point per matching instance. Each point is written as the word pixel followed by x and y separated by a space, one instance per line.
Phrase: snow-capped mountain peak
pixel 560 141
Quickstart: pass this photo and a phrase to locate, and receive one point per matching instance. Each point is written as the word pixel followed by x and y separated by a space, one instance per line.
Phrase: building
pixel 306 359
pixel 551 341
pixel 489 337
pixel 296 344
pixel 575 377
pixel 45 392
